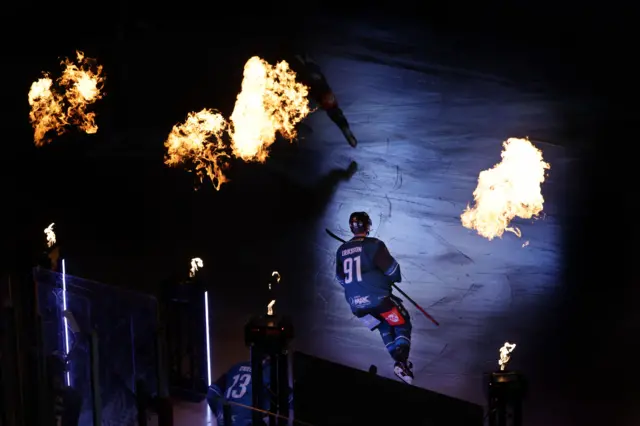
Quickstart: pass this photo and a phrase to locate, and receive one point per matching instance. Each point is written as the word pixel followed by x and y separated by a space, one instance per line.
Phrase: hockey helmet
pixel 360 223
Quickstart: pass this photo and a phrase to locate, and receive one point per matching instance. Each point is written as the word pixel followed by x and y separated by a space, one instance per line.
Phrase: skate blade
pixel 400 373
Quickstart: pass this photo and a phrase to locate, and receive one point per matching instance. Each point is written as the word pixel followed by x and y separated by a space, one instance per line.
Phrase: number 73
pixel 348 265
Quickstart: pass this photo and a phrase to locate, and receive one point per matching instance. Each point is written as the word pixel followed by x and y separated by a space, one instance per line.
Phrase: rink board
pixel 326 393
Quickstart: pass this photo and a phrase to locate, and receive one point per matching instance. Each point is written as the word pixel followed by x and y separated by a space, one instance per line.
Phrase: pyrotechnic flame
pixel 83 86
pixel 511 188
pixel 270 307
pixel 82 83
pixel 196 264
pixel 51 236
pixel 46 110
pixel 270 102
pixel 505 354
pixel 199 141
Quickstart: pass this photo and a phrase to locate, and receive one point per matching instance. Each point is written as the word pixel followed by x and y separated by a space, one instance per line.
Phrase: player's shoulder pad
pixel 343 245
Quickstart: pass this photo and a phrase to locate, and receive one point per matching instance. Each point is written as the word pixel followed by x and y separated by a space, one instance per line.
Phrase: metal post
pixel 44 416
pixel 161 364
pixel 192 330
pixel 133 352
pixel 142 402
pixel 257 385
pixel 9 368
pixel 226 413
pixel 517 413
pixel 275 389
pixel 163 403
pixel 95 379
pixel 283 387
pixel 21 354
pixel 506 392
pixel 268 335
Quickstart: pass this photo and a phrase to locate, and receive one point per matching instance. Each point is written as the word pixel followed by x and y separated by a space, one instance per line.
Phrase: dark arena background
pixel 431 91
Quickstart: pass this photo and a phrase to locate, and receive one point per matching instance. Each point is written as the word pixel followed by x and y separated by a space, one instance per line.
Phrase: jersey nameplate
pixel 350 251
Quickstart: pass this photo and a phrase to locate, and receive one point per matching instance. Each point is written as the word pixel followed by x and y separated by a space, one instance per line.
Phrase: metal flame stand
pixel 269 335
pixel 184 318
pixel 507 390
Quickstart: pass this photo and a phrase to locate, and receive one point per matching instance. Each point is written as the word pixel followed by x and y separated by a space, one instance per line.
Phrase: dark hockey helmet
pixel 360 223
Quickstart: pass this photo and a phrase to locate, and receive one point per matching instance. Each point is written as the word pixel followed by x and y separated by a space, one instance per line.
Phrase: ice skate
pixel 352 169
pixel 403 370
pixel 348 134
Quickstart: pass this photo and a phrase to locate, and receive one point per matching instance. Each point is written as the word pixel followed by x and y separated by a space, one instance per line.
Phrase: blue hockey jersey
pixel 366 270
pixel 235 386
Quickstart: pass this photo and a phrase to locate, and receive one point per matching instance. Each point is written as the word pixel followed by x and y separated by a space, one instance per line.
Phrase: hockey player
pixel 310 74
pixel 235 386
pixel 366 270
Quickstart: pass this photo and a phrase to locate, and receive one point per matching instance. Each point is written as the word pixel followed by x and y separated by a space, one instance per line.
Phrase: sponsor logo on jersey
pixel 359 301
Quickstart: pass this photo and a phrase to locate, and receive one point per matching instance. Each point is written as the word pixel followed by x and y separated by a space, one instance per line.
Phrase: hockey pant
pixel 329 103
pixel 324 96
pixel 394 328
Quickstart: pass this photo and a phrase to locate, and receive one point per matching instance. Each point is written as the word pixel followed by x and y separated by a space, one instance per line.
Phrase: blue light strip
pixel 208 337
pixel 66 325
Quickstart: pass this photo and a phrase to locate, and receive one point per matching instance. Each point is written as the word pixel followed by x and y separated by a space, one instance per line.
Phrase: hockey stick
pixel 406 296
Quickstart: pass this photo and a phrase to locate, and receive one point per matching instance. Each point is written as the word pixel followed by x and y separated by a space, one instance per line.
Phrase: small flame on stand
pixel 51 236
pixel 196 264
pixel 277 276
pixel 505 354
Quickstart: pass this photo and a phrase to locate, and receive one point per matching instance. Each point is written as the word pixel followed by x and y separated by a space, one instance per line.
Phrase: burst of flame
pixel 505 354
pixel 196 264
pixel 199 141
pixel 51 110
pixel 270 102
pixel 83 86
pixel 47 112
pixel 51 236
pixel 511 188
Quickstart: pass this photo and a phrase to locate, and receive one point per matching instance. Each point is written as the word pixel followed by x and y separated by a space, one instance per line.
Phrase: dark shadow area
pixel 354 393
pixel 275 223
pixel 601 289
pixel 594 314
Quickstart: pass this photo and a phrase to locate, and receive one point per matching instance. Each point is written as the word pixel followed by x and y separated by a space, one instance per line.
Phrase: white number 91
pixel 348 265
